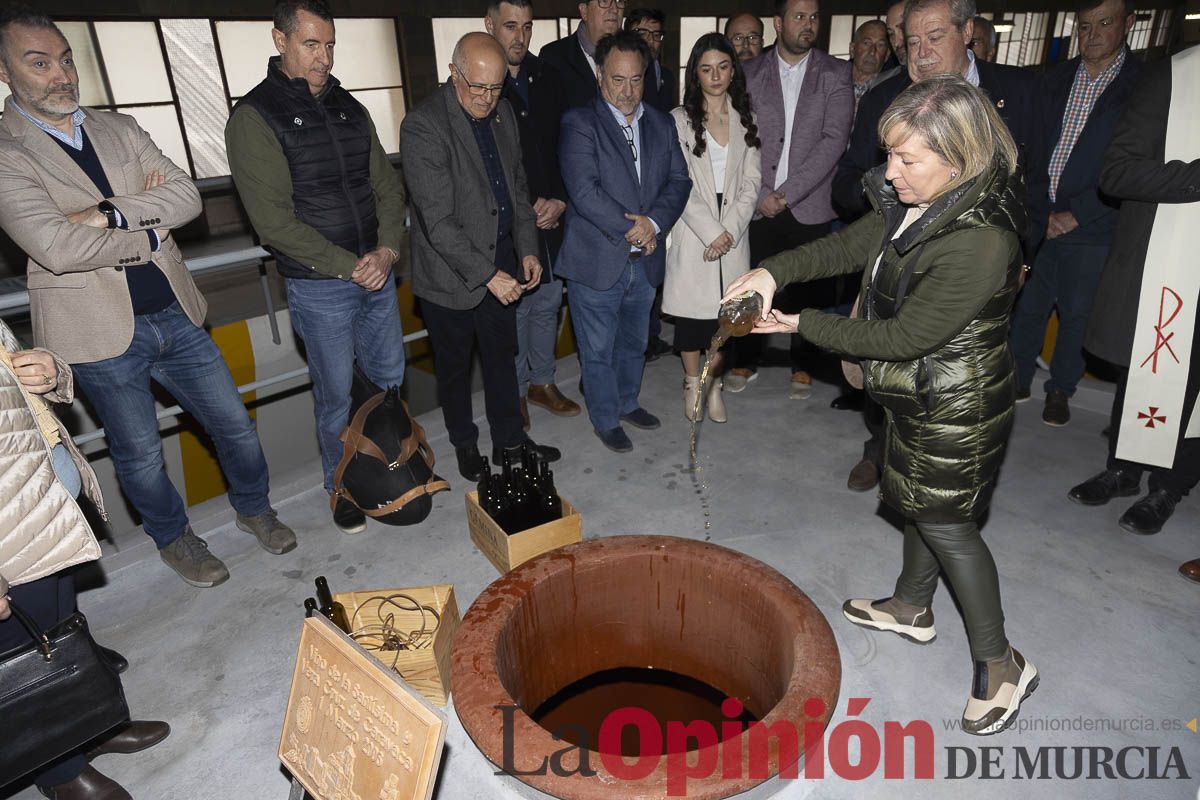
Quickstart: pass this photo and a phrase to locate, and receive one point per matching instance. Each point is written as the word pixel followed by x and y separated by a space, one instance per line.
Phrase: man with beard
pixel 92 201
pixel 573 57
pixel 805 106
pixel 532 89
pixel 745 32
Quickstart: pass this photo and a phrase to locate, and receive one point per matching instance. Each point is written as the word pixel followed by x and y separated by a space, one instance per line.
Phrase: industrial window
pixel 448 30
pixel 1022 38
pixel 841 32
pixel 122 68
pixel 692 28
pixel 366 62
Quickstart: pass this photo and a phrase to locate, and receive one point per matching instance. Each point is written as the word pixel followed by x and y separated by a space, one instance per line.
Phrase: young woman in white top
pixel 708 246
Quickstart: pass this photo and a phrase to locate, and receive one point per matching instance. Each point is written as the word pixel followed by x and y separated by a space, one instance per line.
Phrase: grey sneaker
pixel 188 555
pixel 890 614
pixel 272 535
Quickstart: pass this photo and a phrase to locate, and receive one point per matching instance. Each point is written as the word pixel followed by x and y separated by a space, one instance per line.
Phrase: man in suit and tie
pixel 474 244
pixel 804 102
pixel 1079 105
pixel 938 40
pixel 92 201
pixel 573 57
pixel 532 89
pixel 661 88
pixel 627 183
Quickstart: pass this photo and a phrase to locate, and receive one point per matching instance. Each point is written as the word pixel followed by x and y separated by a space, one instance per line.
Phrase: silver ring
pixel 46 379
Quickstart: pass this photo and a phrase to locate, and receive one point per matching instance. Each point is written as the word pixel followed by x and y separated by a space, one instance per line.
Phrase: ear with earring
pixel 953 174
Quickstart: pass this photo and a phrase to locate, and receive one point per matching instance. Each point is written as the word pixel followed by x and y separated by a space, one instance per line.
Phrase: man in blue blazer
pixel 1078 107
pixel 627 184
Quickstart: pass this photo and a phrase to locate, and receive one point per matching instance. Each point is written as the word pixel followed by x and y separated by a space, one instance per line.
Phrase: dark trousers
pixel 958 550
pixel 49 601
pixel 1065 275
pixel 1184 474
pixel 770 236
pixel 875 419
pixel 492 327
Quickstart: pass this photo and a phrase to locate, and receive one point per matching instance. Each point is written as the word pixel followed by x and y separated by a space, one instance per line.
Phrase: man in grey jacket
pixel 473 242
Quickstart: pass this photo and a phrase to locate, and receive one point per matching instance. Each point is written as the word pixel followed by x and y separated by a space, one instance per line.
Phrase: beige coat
pixel 77 287
pixel 42 529
pixel 693 286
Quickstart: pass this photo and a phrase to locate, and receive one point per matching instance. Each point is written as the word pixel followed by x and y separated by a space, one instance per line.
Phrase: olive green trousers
pixel 958 550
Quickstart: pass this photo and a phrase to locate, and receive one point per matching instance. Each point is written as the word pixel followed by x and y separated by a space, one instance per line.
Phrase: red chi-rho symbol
pixel 1162 339
pixel 1152 416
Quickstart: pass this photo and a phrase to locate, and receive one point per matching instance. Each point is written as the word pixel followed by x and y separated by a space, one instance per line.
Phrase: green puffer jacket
pixel 932 331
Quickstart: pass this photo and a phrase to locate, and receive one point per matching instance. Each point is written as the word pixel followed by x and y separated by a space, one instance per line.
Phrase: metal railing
pixel 14 302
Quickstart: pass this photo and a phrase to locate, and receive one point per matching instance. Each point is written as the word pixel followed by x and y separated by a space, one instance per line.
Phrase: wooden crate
pixel 506 552
pixel 426 670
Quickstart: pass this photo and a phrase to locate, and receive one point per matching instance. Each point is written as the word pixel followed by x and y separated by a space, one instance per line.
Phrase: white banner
pixel 1162 340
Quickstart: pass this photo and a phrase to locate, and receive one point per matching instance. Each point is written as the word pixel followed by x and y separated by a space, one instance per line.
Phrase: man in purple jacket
pixel 804 100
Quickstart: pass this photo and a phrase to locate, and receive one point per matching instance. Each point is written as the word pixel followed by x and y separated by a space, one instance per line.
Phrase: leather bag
pixel 56 694
pixel 386 468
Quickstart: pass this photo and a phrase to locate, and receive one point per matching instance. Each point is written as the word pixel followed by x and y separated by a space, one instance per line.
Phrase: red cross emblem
pixel 1152 416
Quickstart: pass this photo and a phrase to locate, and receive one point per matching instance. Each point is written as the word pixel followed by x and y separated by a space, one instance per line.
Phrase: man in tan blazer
pixel 92 201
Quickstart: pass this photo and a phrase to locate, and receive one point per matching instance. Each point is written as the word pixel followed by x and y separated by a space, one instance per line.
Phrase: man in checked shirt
pixel 1081 102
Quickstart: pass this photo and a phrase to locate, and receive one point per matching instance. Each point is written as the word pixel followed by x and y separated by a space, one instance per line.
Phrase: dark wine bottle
pixel 551 504
pixel 310 607
pixel 334 612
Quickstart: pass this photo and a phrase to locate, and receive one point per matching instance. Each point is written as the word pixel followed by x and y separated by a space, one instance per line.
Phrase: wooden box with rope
pixel 505 550
pixel 410 631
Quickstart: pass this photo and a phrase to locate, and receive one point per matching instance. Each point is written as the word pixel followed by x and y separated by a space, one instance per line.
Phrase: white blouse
pixel 718 155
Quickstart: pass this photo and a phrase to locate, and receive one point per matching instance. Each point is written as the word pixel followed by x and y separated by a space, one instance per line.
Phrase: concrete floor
pixel 1113 629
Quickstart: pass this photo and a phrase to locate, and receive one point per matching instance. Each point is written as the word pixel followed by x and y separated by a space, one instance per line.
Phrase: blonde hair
pixel 957 122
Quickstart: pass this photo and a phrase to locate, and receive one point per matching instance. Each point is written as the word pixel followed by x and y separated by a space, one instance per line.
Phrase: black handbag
pixel 56 694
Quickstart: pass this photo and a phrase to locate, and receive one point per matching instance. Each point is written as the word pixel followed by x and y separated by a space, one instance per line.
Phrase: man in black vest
pixel 326 201
pixel 533 90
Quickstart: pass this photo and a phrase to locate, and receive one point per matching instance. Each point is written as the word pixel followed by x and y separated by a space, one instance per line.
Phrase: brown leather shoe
pixel 90 785
pixel 550 398
pixel 525 424
pixel 864 477
pixel 138 735
pixel 1191 570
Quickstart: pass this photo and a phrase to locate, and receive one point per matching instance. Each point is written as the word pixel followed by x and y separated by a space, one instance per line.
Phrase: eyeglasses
pixel 608 3
pixel 646 33
pixel 746 38
pixel 628 131
pixel 479 89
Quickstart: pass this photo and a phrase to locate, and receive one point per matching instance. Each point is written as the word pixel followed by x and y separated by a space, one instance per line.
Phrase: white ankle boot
pixel 691 393
pixel 716 403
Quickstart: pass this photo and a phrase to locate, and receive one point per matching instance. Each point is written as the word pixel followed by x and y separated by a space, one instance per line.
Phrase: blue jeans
pixel 1065 274
pixel 537 335
pixel 340 322
pixel 183 359
pixel 611 329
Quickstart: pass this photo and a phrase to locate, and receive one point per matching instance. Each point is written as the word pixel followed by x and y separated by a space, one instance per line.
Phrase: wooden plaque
pixel 353 730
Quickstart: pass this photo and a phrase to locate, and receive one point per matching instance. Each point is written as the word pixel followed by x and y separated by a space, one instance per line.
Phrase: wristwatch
pixel 109 211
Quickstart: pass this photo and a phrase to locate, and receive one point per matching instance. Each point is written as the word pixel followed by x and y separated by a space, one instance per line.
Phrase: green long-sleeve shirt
pixel 264 182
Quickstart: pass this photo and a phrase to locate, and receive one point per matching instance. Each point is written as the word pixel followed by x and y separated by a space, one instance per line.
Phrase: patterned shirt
pixel 1084 93
pixel 75 140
